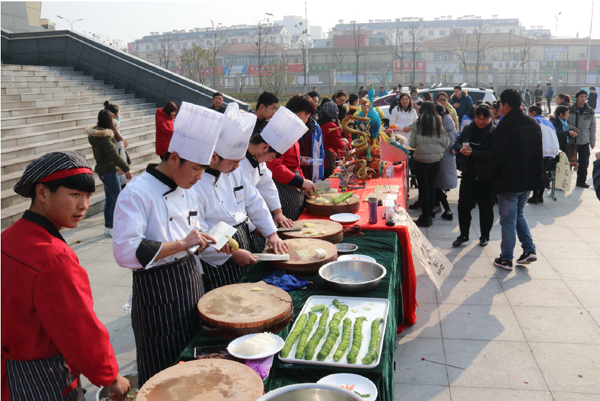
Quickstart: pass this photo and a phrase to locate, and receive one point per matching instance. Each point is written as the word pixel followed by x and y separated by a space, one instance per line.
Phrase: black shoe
pixel 504 264
pixel 527 258
pixel 541 199
pixel 447 216
pixel 459 241
pixel 423 221
pixel 483 241
pixel 533 199
pixel 432 215
pixel 416 205
pixel 583 185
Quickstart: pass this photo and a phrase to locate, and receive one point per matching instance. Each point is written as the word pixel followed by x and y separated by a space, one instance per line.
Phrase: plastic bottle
pixel 372 209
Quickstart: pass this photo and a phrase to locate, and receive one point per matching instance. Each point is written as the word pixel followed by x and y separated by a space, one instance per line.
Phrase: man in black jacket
pixel 516 169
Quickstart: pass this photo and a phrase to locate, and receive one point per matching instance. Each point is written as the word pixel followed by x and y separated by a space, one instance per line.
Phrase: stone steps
pixel 46 109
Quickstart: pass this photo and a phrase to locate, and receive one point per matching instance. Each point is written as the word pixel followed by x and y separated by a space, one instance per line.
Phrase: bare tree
pixel 359 35
pixel 304 49
pixel 164 44
pixel 339 55
pixel 417 40
pixel 196 63
pixel 460 49
pixel 218 44
pixel 398 48
pixel 482 42
pixel 265 41
pixel 277 77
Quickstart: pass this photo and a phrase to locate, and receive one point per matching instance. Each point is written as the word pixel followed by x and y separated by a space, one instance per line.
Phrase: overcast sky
pixel 130 20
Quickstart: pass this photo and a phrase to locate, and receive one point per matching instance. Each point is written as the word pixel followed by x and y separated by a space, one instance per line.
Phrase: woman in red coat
pixel 164 127
pixel 332 136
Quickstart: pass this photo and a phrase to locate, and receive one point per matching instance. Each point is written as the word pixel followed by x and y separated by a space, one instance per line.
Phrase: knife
pixel 286 229
pixel 272 257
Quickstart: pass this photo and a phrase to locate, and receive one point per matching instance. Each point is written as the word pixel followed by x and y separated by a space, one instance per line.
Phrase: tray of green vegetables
pixel 338 331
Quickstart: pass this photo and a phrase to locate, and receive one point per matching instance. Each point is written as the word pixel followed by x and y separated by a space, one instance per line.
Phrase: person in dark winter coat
pixel 583 117
pixel 596 175
pixel 592 97
pixel 560 120
pixel 461 101
pixel 474 146
pixel 516 167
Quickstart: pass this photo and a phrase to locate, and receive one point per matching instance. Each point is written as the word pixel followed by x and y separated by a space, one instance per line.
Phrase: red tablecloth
pixel 409 278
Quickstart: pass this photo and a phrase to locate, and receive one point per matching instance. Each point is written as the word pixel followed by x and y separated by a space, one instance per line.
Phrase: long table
pixel 409 277
pixel 385 248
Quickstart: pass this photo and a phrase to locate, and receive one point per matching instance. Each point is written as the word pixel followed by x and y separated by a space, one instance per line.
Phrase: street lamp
pixel 555 78
pixel 70 21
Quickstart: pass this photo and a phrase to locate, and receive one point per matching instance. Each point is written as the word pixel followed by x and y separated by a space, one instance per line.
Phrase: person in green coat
pixel 103 137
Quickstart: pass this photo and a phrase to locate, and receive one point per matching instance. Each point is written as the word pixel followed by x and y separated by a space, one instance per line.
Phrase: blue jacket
pixel 465 104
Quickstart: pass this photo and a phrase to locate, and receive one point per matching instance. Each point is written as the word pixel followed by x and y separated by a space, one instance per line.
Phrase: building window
pixel 431 33
pixel 562 53
pixel 147 47
pixel 442 33
pixel 497 31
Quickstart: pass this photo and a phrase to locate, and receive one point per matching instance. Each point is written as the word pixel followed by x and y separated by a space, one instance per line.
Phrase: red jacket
pixel 332 138
pixel 47 305
pixel 164 131
pixel 286 169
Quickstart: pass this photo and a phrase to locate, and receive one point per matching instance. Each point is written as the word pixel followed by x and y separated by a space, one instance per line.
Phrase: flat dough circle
pixel 238 305
pixel 207 379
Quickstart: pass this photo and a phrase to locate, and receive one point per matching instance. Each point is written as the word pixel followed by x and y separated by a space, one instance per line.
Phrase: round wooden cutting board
pixel 319 209
pixel 238 309
pixel 333 231
pixel 206 379
pixel 305 266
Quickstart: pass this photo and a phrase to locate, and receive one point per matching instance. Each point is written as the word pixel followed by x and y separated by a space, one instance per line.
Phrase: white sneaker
pixel 108 231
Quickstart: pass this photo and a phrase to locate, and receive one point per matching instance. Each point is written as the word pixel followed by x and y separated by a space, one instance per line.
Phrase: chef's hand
pixel 119 388
pixel 196 237
pixel 277 244
pixel 128 175
pixel 280 220
pixel 308 187
pixel 226 250
pixel 242 257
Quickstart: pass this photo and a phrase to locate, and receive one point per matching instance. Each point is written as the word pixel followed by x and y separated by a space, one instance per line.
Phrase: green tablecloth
pixel 386 249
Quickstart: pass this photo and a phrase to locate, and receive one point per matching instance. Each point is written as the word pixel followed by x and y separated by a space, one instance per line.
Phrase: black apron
pixel 164 313
pixel 42 379
pixel 292 200
pixel 229 272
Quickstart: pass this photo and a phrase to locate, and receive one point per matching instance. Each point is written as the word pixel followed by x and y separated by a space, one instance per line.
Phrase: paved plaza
pixel 530 334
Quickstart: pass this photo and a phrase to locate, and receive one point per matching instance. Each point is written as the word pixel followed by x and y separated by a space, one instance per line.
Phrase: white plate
pixel 361 384
pixel 345 217
pixel 277 346
pixel 357 257
pixel 377 307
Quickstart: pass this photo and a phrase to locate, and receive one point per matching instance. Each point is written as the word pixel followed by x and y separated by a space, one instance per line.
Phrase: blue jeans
pixel 112 189
pixel 512 220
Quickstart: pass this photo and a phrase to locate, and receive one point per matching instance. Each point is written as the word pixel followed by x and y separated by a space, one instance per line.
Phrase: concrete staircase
pixel 45 109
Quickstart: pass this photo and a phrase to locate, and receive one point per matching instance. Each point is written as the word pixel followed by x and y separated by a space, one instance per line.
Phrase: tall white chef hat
pixel 235 133
pixel 283 130
pixel 196 132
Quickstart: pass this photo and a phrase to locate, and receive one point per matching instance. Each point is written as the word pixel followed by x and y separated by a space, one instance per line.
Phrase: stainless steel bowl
pixel 346 248
pixel 352 276
pixel 310 392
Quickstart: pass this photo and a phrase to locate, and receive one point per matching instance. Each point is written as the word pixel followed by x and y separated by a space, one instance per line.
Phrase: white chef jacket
pixel 230 198
pixel 151 210
pixel 261 177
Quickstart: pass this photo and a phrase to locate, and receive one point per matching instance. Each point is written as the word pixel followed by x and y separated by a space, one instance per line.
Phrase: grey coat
pixel 428 149
pixel 585 122
pixel 447 177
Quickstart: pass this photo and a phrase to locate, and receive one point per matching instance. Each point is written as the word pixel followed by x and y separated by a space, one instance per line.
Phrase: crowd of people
pixel 253 172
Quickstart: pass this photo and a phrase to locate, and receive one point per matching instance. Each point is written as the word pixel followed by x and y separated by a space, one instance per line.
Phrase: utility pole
pixel 555 77
pixel 306 35
pixel 587 66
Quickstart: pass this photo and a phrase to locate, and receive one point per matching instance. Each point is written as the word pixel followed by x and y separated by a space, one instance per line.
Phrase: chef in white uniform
pixel 224 194
pixel 156 221
pixel 282 131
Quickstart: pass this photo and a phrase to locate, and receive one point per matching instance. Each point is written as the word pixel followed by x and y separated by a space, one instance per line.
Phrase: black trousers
pixel 583 152
pixel 426 175
pixel 549 100
pixel 482 192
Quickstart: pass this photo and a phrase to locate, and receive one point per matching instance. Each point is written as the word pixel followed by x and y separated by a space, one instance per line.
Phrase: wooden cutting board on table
pixel 236 310
pixel 325 230
pixel 206 379
pixel 310 264
pixel 350 205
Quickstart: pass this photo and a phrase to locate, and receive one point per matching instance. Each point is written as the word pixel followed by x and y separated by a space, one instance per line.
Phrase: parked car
pixel 476 94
